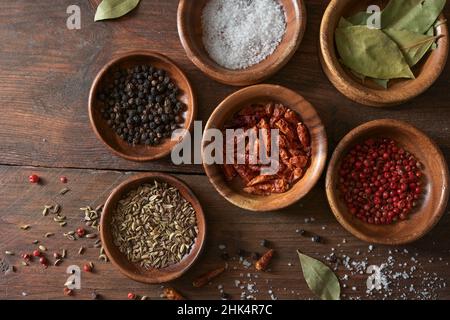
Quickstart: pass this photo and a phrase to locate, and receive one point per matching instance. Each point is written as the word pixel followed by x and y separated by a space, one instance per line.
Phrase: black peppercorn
pixel 140 104
pixel 225 296
pixel 264 243
pixel 316 238
pixel 225 256
pixel 256 256
pixel 242 253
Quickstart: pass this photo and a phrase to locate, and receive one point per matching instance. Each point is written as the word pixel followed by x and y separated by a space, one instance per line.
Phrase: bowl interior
pixel 132 270
pixel 190 28
pixel 431 60
pixel 435 183
pixel 108 136
pixel 233 192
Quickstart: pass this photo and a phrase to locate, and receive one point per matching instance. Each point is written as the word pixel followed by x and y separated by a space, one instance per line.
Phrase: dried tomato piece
pixel 229 172
pixel 291 117
pixel 269 109
pixel 245 174
pixel 285 129
pixel 297 174
pixel 303 135
pixel 260 179
pixel 299 161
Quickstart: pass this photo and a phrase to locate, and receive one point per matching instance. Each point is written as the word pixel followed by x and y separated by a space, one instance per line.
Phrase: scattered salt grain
pixel 240 33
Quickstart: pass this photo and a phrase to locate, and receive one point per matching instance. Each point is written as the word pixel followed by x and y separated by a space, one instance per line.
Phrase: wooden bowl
pixel 436 177
pixel 368 93
pixel 233 192
pixel 108 136
pixel 132 270
pixel 190 32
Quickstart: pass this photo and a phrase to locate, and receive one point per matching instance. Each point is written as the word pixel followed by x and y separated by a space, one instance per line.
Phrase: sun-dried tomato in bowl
pixel 293 142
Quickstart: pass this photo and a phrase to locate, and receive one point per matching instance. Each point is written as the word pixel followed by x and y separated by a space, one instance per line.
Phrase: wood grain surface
pixel 46 71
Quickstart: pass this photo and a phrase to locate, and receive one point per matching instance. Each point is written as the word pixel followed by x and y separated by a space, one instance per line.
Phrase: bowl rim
pixel 192 106
pixel 247 76
pixel 365 95
pixel 350 138
pixel 182 187
pixel 274 92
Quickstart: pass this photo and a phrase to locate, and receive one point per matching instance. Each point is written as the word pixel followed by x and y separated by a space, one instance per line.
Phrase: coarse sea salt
pixel 240 33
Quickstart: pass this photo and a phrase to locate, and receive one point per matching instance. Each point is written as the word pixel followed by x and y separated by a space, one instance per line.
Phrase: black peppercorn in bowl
pixel 136 102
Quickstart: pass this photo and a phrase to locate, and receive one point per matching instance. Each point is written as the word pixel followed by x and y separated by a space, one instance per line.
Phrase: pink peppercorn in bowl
pixel 401 207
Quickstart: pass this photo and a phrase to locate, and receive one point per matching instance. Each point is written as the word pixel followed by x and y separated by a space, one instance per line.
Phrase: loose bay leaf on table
pixel 413 45
pixel 111 9
pixel 413 15
pixel 320 279
pixel 371 53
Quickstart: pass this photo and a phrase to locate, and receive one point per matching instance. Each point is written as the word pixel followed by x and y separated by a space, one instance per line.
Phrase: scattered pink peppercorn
pixel 379 181
pixel 68 292
pixel 131 296
pixel 26 256
pixel 43 260
pixel 63 179
pixel 34 178
pixel 56 255
pixel 87 268
pixel 36 253
pixel 81 232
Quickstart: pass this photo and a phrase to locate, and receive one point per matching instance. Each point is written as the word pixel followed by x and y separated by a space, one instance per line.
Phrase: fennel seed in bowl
pixel 154 226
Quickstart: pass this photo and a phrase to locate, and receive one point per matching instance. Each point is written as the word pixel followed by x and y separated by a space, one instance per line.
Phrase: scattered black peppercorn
pixel 225 296
pixel 225 256
pixel 256 256
pixel 242 253
pixel 264 243
pixel 141 106
pixel 316 239
pixel 95 296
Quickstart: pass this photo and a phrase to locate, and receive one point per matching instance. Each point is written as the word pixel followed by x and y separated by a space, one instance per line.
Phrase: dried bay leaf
pixel 320 279
pixel 343 23
pixel 413 15
pixel 111 9
pixel 359 19
pixel 413 45
pixel 381 82
pixel 371 53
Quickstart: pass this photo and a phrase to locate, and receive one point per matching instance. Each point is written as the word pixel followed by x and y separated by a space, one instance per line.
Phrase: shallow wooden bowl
pixel 108 136
pixel 436 176
pixel 233 191
pixel 190 33
pixel 368 93
pixel 132 270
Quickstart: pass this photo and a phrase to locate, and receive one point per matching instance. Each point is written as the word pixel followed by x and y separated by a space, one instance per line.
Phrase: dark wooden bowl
pixel 132 270
pixel 108 136
pixel 233 192
pixel 368 93
pixel 436 177
pixel 190 32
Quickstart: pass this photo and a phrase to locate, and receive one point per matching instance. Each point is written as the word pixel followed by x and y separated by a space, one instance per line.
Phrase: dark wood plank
pixel 46 71
pixel 22 203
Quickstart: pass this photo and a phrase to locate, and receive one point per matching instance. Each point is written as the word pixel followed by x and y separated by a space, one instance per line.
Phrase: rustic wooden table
pixel 46 71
